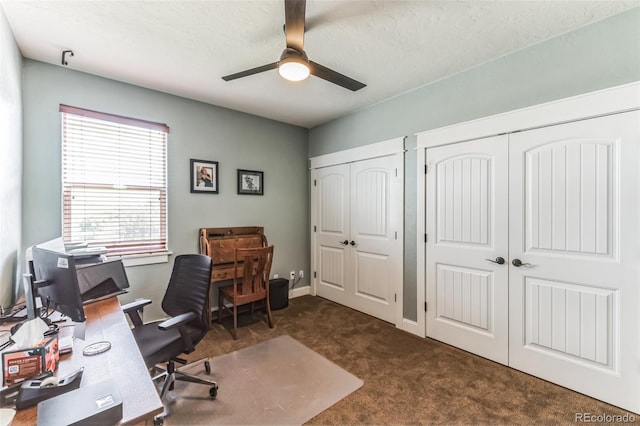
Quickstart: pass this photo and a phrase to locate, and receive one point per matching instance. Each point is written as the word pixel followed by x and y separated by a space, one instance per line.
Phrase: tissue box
pixel 21 364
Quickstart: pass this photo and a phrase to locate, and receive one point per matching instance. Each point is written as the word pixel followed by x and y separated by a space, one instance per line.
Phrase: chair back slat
pixel 256 268
pixel 254 264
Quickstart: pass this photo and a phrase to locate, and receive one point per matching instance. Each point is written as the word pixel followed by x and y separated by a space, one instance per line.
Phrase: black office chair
pixel 187 302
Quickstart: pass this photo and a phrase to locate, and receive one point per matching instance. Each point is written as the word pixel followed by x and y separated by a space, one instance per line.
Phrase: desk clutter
pixel 74 388
pixel 47 374
pixel 46 386
pixel 28 380
pixel 23 363
pixel 29 366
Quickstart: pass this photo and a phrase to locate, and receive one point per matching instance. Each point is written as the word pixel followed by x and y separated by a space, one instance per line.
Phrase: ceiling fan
pixel 294 64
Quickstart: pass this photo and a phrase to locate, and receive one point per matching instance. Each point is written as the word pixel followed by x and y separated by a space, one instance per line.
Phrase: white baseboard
pixel 300 291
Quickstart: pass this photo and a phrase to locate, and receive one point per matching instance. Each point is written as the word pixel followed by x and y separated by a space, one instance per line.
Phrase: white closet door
pixel 574 311
pixel 332 248
pixel 376 254
pixel 467 213
pixel 358 247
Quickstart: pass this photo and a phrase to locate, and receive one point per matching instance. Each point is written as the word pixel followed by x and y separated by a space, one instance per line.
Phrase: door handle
pixel 518 263
pixel 353 243
pixel 345 242
pixel 499 260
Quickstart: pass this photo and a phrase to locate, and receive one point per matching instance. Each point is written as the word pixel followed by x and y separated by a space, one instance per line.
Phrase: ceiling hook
pixel 64 53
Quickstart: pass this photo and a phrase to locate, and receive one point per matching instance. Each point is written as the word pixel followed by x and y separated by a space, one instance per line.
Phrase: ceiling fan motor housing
pixel 290 54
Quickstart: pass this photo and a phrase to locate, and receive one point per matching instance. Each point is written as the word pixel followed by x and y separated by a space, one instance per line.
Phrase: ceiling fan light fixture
pixel 294 71
pixel 293 65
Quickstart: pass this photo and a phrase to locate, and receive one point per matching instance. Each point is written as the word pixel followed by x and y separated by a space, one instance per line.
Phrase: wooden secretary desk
pixel 220 244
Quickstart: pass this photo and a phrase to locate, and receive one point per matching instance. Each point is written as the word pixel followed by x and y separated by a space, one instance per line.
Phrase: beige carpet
pixel 276 382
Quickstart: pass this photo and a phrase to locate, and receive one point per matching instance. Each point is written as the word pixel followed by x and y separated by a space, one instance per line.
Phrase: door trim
pixel 420 327
pixel 603 102
pixel 366 152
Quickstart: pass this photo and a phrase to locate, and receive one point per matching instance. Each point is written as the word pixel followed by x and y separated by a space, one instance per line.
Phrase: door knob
pixel 353 243
pixel 499 260
pixel 518 263
pixel 345 242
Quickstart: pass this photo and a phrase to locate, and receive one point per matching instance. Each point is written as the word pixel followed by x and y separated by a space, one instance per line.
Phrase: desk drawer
pixel 224 273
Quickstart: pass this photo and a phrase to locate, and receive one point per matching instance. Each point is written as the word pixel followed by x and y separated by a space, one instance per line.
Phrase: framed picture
pixel 250 182
pixel 204 176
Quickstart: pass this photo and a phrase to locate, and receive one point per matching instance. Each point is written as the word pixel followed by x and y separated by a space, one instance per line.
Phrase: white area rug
pixel 276 382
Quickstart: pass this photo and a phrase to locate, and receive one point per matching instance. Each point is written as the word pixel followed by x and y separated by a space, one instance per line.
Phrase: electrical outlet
pixel 301 273
pixel 292 275
pixel 275 276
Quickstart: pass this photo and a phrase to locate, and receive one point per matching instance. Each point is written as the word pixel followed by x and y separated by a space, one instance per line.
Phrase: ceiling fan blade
pixel 335 77
pixel 252 71
pixel 294 23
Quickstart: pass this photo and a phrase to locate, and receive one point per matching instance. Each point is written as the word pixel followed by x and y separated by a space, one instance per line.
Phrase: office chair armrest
pixel 132 309
pixel 177 321
pixel 135 305
pixel 180 322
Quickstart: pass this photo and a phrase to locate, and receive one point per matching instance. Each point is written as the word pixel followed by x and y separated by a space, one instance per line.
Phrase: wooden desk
pixel 221 243
pixel 123 362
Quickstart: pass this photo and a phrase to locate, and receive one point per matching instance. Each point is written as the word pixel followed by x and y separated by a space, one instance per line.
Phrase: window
pixel 114 182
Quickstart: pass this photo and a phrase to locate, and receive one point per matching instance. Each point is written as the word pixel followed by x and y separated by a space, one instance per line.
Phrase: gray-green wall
pixel 602 55
pixel 10 160
pixel 200 131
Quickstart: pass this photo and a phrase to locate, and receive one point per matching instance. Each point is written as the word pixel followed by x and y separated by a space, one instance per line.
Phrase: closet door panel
pixel 332 253
pixel 573 223
pixel 570 196
pixel 376 194
pixel 467 204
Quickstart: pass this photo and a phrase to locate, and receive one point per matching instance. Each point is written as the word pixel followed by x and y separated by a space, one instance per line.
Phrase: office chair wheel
pixel 158 421
pixel 213 392
pixel 207 367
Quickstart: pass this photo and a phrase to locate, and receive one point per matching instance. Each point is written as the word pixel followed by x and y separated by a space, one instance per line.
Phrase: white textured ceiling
pixel 185 47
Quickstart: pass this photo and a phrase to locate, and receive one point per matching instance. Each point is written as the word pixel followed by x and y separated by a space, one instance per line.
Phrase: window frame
pixel 148 254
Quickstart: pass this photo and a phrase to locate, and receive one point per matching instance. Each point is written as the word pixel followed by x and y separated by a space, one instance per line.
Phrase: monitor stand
pixel 30 289
pixel 78 330
pixel 30 296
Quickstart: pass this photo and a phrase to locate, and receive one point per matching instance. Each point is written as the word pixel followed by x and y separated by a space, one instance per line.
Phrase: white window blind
pixel 114 181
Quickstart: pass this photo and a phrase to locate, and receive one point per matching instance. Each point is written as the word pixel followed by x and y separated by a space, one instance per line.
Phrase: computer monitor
pixel 57 282
pixel 98 281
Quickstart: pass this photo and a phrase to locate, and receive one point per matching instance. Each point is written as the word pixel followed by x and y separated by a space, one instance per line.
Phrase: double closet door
pixel 533 252
pixel 357 245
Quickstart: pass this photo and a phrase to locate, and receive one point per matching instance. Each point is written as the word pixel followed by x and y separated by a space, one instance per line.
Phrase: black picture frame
pixel 250 182
pixel 204 176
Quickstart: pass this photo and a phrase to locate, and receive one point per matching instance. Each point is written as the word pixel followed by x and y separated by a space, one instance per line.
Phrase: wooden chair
pixel 255 264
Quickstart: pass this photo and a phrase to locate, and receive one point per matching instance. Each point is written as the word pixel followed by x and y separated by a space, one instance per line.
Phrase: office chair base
pixel 168 380
pixel 169 377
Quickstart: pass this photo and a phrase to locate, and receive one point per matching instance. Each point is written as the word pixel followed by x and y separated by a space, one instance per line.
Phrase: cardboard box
pixel 21 364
